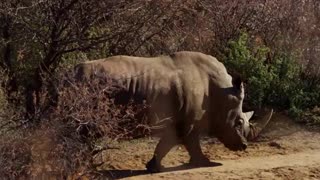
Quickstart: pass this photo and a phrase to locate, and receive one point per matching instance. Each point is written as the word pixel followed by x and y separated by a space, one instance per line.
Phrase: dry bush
pixel 311 117
pixel 88 111
pixel 15 157
pixel 50 150
pixel 63 143
pixel 100 107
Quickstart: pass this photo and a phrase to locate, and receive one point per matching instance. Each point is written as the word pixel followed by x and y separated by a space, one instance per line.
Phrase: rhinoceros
pixel 190 92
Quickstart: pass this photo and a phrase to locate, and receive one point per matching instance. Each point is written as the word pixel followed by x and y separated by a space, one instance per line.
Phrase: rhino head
pixel 240 129
pixel 236 128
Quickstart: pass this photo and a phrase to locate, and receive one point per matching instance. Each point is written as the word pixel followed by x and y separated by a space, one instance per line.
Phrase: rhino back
pixel 180 82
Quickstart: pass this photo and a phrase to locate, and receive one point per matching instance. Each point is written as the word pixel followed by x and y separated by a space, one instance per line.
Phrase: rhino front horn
pixel 256 128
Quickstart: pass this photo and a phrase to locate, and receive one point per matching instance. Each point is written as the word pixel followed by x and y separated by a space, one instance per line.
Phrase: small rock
pixel 275 144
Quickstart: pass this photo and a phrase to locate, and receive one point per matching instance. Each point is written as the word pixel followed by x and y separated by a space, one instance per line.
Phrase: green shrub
pixel 276 82
pixel 250 63
pixel 285 84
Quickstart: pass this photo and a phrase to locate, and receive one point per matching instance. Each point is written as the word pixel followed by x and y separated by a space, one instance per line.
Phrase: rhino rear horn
pixel 249 114
pixel 256 128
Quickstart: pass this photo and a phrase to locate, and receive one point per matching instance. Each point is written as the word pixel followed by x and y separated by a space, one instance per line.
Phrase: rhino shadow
pixel 118 174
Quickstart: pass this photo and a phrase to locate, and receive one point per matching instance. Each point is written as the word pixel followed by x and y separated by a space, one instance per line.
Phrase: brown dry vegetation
pixel 63 144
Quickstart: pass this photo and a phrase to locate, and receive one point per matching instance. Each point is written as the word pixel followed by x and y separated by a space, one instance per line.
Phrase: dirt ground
pixel 285 150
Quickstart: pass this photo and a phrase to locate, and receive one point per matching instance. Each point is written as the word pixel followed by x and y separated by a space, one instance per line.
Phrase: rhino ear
pixel 249 114
pixel 237 82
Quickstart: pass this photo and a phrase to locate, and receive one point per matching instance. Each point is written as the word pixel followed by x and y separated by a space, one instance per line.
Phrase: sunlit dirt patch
pixel 282 136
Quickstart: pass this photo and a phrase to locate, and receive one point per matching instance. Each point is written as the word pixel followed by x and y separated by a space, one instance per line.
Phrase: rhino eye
pixel 239 123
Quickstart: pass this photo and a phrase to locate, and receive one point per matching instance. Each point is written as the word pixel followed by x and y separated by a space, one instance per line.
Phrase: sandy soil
pixel 284 151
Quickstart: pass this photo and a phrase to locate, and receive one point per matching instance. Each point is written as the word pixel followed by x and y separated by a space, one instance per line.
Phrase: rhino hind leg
pixel 167 141
pixel 192 144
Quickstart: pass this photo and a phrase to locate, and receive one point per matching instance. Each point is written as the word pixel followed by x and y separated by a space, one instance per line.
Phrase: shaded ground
pixel 285 151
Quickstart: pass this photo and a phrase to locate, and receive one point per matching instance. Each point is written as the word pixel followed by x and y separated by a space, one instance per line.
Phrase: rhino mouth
pixel 236 145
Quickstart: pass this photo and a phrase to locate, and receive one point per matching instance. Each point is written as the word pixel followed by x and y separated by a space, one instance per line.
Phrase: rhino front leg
pixel 192 144
pixel 168 140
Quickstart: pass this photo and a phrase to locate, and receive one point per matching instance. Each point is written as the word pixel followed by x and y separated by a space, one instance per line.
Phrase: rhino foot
pixel 200 162
pixel 153 166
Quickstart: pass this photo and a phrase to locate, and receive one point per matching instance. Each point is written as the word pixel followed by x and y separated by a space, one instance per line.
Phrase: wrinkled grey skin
pixel 189 92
